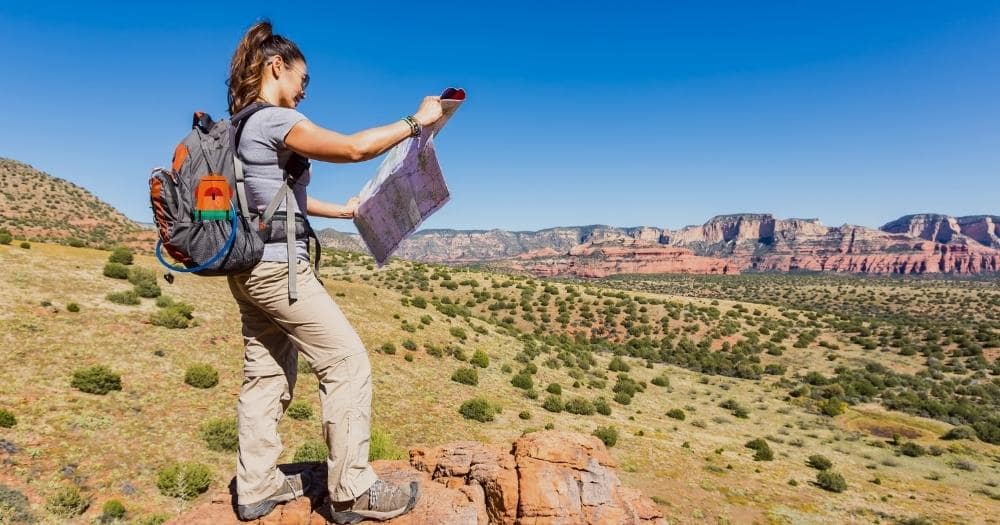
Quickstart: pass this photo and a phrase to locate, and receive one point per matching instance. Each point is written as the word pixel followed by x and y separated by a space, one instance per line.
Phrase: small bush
pixel 14 506
pixel 311 450
pixel 73 308
pixel 128 297
pixel 677 414
pixel 522 381
pixel 67 503
pixel 602 406
pixel 6 238
pixel 382 446
pixel 622 398
pixel 961 432
pixel 609 435
pixel 553 404
pixel 300 410
pixel 201 375
pixel 410 345
pixel 832 407
pixel 153 519
pixel 458 332
pixel 26 245
pixel 115 271
pixel 75 243
pixel 138 275
pixel 147 290
pixel 912 449
pixel 121 255
pixel 221 434
pixel 388 348
pixel 660 381
pixel 466 376
pixel 618 365
pixel 819 462
pixel 579 406
pixel 184 480
pixel 480 359
pixel 828 480
pixel 175 316
pixel 112 510
pixel 764 452
pixel 479 409
pixel 96 380
pixel 524 414
pixel 7 418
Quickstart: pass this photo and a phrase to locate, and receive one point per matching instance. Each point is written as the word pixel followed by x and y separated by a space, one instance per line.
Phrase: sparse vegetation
pixel 221 434
pixel 201 375
pixel 184 480
pixel 96 380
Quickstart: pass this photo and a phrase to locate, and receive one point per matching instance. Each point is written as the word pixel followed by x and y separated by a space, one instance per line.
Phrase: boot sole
pixel 350 517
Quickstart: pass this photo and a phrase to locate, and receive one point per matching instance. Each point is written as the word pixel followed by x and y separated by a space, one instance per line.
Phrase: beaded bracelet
pixel 414 125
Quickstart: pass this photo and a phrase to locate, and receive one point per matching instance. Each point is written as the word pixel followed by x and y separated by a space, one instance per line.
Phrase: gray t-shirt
pixel 263 151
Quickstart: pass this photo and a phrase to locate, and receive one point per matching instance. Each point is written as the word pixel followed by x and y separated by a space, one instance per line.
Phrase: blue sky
pixel 621 113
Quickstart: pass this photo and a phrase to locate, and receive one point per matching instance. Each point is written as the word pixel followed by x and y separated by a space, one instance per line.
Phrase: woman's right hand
pixel 429 111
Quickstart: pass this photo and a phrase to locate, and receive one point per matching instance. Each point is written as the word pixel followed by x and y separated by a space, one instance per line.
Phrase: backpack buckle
pixel 202 121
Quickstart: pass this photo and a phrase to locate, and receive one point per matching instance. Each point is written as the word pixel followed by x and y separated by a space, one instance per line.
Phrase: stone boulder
pixel 544 478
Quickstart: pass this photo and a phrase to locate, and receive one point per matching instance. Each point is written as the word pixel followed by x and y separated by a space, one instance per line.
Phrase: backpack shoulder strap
pixel 238 121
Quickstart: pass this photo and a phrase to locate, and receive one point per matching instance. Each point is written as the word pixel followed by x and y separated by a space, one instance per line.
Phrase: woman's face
pixel 291 79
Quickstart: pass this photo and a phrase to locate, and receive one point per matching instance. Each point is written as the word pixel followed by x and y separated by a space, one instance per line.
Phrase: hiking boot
pixel 382 501
pixel 295 485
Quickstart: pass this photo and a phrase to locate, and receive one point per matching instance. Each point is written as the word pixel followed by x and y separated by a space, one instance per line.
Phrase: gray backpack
pixel 200 205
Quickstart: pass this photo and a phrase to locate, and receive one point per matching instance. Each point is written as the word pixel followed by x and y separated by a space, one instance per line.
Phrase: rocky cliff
pixel 729 244
pixel 547 477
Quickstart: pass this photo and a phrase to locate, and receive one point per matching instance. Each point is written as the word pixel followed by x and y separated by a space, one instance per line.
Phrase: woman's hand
pixel 352 206
pixel 429 112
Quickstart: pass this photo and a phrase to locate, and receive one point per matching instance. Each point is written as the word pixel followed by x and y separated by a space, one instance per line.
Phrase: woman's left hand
pixel 352 205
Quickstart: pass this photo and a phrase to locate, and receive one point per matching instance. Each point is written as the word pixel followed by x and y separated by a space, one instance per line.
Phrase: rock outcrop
pixel 616 257
pixel 545 478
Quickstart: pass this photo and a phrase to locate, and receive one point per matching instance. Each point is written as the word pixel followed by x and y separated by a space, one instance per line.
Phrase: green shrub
pixel 75 243
pixel 524 414
pixel 819 462
pixel 382 446
pixel 7 418
pixel 410 345
pixel 73 308
pixel 623 398
pixel 201 375
pixel 115 271
pixel 26 245
pixel 477 408
pixel 14 506
pixel 832 407
pixel 828 480
pixel 221 434
pixel 128 297
pixel 6 238
pixel 138 275
pixel 419 302
pixel 184 480
pixel 617 364
pixel 153 519
pixel 660 381
pixel 164 301
pixel 764 452
pixel 67 503
pixel 522 381
pixel 388 348
pixel 609 435
pixel 458 332
pixel 912 449
pixel 300 410
pixel 960 432
pixel 602 406
pixel 579 406
pixel 147 290
pixel 676 413
pixel 506 369
pixel 480 359
pixel 466 376
pixel 175 316
pixel 121 255
pixel 96 380
pixel 554 388
pixel 311 451
pixel 553 403
pixel 112 510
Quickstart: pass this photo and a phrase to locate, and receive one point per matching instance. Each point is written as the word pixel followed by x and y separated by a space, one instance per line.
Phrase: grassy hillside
pixel 39 207
pixel 689 373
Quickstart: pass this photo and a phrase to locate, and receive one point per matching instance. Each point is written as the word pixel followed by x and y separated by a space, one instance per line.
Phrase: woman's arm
pixel 318 208
pixel 318 143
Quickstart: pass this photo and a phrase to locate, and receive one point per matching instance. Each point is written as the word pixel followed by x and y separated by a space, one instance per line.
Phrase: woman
pixel 269 68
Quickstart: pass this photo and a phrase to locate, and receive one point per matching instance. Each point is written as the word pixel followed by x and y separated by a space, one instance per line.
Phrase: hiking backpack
pixel 201 211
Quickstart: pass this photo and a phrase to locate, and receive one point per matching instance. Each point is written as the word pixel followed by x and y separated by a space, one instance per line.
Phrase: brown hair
pixel 258 45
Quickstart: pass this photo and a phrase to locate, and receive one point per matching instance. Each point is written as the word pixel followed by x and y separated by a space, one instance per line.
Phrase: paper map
pixel 407 188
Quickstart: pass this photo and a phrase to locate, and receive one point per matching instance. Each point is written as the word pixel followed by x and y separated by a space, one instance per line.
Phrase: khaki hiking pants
pixel 274 332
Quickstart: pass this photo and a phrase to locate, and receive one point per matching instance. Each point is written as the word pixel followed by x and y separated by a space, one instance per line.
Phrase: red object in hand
pixel 453 94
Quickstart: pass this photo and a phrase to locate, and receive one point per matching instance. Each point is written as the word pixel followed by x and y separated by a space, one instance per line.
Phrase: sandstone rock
pixel 543 478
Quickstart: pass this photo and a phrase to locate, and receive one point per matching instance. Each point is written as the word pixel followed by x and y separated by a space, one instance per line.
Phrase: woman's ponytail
pixel 246 70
